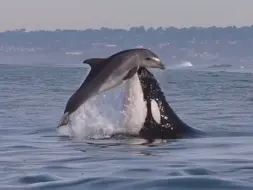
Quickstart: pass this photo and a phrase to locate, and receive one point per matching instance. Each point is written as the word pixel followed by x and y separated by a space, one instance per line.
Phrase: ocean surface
pixel 217 99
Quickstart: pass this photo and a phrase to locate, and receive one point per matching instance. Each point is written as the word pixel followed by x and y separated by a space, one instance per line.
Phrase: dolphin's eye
pixel 155 59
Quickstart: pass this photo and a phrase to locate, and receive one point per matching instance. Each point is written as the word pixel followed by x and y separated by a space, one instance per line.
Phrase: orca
pixel 161 122
pixel 107 73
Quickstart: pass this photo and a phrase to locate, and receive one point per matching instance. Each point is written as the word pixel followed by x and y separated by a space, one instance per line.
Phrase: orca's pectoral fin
pixel 131 73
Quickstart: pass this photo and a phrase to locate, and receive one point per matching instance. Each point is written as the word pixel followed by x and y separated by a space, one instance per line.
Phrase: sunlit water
pixel 33 155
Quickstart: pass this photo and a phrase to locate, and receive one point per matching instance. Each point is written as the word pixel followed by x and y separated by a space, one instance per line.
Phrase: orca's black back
pixel 171 126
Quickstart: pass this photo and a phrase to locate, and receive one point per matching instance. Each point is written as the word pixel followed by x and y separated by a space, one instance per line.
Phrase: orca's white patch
pixel 135 109
pixel 155 111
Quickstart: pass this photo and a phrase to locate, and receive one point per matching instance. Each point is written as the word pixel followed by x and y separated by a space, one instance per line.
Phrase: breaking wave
pixel 220 66
pixel 186 64
pixel 181 65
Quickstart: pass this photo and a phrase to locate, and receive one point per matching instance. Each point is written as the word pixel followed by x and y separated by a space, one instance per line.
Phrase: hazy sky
pixel 81 14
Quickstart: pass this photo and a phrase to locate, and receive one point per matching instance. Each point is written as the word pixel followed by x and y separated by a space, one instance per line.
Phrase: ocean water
pixel 217 100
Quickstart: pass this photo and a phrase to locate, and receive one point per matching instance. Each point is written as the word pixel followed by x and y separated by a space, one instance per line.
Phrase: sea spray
pixel 97 118
pixel 88 122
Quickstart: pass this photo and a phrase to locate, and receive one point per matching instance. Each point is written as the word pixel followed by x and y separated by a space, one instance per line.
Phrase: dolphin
pixel 107 73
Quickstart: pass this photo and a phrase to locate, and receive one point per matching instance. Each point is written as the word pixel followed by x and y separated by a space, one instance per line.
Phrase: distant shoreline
pixel 210 42
pixel 134 27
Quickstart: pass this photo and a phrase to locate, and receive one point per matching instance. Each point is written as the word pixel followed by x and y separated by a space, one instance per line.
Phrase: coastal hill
pixel 169 42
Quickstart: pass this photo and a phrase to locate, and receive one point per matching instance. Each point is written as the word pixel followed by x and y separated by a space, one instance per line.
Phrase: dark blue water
pixel 34 156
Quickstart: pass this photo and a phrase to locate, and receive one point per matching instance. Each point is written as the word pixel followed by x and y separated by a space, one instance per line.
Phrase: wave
pixel 182 64
pixel 74 53
pixel 220 66
pixel 186 64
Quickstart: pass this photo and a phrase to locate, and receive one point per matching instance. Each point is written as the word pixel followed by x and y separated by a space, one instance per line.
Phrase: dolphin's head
pixel 151 60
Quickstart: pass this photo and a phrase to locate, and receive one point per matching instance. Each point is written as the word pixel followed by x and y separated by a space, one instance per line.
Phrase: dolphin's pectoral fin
pixel 131 73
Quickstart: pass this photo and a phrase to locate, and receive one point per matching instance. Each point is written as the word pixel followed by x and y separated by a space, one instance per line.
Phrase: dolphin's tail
pixel 64 120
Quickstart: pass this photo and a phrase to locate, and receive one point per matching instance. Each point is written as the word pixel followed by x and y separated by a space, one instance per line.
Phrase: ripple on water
pixel 175 183
pixel 42 178
pixel 32 156
pixel 198 171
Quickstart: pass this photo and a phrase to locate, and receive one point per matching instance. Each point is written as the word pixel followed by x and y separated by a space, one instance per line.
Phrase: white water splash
pixel 88 122
pixel 98 118
pixel 74 53
pixel 181 65
pixel 185 64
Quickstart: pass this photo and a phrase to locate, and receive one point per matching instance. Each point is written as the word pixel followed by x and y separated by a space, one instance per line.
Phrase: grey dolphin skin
pixel 110 72
pixel 170 126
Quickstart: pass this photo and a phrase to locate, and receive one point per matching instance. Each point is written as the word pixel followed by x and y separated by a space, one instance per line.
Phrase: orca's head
pixel 145 76
pixel 147 80
pixel 150 86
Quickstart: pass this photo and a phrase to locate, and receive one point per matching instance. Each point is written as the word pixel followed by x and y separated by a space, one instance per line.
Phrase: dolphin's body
pixel 107 73
pixel 147 112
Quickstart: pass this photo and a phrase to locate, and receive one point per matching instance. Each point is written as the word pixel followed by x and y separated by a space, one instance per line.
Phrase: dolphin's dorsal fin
pixel 96 64
pixel 94 61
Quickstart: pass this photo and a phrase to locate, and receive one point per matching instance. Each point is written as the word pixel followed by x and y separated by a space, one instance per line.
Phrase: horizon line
pixel 128 28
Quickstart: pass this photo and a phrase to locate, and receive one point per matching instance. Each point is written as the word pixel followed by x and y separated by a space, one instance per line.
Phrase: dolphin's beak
pixel 64 120
pixel 161 65
pixel 158 63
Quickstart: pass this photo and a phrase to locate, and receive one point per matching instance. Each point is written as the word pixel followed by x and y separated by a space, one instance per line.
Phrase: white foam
pixel 66 130
pixel 181 65
pixel 87 122
pixel 74 53
pixel 98 118
pixel 185 64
